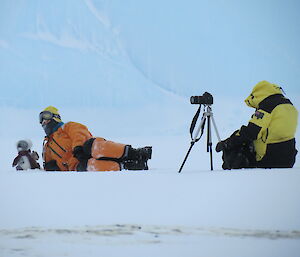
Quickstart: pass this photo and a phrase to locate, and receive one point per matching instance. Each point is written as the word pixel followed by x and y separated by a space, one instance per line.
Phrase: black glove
pixel 51 165
pixel 220 146
pixel 230 143
pixel 223 145
pixel 80 154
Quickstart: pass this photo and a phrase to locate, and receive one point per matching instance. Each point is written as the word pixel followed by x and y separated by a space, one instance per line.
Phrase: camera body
pixel 206 98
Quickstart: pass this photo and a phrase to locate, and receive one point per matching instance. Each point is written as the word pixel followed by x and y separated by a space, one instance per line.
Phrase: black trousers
pixel 279 155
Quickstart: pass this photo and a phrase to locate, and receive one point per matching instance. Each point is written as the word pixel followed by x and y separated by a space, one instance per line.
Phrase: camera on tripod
pixel 206 98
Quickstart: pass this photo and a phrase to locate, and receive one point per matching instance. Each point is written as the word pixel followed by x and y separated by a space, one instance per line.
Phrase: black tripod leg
pixel 186 156
pixel 208 134
pixel 209 142
pixel 211 158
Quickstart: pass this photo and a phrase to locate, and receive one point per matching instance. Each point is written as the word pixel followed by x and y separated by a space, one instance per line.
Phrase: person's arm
pixel 79 134
pixel 256 127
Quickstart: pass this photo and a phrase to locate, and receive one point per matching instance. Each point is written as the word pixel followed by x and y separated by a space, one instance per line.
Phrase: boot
pixel 136 159
pixel 134 165
pixel 144 153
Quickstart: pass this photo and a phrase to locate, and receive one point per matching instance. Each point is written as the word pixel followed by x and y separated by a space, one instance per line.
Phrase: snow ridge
pixel 154 230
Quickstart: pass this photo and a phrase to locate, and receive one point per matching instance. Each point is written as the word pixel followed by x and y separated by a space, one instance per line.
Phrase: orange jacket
pixel 60 144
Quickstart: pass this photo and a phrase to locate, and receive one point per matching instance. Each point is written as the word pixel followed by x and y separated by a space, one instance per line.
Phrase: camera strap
pixel 193 124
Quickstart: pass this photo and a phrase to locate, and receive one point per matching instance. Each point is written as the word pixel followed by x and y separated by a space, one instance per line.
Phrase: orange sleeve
pixel 77 132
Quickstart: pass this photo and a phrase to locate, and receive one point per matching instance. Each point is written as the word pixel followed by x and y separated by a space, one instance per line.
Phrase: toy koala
pixel 26 158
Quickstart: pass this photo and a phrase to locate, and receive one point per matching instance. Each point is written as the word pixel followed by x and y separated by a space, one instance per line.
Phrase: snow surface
pixel 200 213
pixel 151 213
pixel 126 69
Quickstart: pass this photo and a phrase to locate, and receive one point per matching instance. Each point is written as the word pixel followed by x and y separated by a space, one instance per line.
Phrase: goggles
pixel 46 115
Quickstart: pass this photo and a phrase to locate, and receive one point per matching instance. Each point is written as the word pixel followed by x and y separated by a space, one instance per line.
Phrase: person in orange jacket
pixel 71 147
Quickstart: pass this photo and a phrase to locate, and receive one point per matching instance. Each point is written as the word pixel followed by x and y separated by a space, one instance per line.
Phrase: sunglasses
pixel 46 115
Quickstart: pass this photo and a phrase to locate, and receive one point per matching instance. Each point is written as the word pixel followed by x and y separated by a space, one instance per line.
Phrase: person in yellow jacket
pixel 71 147
pixel 271 131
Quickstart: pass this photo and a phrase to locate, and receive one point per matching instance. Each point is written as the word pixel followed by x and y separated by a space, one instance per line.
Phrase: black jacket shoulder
pixel 269 103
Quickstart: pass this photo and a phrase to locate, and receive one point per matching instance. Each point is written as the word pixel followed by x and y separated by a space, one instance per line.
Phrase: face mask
pixel 50 127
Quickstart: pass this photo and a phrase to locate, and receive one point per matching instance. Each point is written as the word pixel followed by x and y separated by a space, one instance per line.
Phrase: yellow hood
pixel 261 90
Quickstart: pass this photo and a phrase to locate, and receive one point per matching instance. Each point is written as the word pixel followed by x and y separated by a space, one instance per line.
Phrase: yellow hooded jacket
pixel 275 119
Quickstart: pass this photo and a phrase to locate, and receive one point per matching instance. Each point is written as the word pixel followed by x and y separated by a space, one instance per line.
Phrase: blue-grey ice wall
pixel 123 53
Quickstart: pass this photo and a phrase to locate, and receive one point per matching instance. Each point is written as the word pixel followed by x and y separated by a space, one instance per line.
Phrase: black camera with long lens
pixel 206 98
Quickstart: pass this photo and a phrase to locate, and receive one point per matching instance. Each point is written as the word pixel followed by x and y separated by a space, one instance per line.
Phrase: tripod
pixel 207 115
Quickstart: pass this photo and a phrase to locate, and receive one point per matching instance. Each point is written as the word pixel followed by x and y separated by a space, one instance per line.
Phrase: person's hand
pixel 80 154
pixel 221 146
pixel 51 165
pixel 226 144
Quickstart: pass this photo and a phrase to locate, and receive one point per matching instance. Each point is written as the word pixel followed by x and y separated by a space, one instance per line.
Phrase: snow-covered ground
pixel 150 213
pixel 126 69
